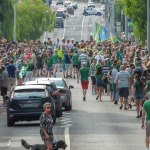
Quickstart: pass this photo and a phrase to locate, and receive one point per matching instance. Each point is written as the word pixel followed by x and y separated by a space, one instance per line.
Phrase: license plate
pixel 30 105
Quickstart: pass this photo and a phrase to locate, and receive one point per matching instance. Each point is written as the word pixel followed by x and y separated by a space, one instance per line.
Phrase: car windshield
pixel 29 93
pixel 59 83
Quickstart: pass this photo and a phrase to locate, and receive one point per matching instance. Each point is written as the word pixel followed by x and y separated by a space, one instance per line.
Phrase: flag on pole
pixel 103 35
pixel 114 38
pixel 97 31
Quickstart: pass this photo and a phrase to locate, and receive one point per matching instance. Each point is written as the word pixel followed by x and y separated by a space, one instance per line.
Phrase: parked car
pixel 74 5
pixel 59 2
pixel 53 92
pixel 70 9
pixel 64 90
pixel 26 103
pixel 61 12
pixel 59 22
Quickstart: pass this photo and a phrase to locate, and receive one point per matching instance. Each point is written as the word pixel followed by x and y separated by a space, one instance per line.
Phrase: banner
pixel 97 31
pixel 103 34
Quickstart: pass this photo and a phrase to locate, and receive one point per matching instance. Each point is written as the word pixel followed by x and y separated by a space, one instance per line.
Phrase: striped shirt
pixel 123 77
pixel 83 58
pixel 106 69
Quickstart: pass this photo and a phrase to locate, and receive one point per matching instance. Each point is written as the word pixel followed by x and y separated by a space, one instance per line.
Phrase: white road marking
pixel 64 29
pixel 9 142
pixel 82 27
pixel 67 138
pixel 65 123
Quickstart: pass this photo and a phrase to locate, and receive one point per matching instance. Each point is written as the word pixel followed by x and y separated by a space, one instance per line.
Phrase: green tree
pixel 6 18
pixel 137 10
pixel 33 17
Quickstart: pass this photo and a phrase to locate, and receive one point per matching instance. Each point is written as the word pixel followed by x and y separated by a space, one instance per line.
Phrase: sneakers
pixel 84 98
pixel 74 77
pixel 130 106
pixel 138 116
pixel 97 97
pixel 121 107
pixel 115 102
pixel 125 108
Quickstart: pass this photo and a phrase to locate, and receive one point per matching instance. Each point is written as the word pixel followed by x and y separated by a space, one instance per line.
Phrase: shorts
pixel 60 60
pixel 55 66
pixel 63 68
pixel 39 66
pixel 3 91
pixel 147 123
pixel 124 92
pixel 138 95
pixel 48 68
pixel 12 81
pixel 85 84
pixel 75 66
pixel 99 83
pixel 68 66
pixel 93 78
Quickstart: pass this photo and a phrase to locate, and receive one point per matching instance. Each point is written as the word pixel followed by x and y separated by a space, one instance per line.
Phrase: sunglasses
pixel 48 107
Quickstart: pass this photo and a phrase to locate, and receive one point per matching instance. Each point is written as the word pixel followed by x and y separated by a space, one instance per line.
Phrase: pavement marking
pixel 9 142
pixel 67 138
pixel 64 29
pixel 82 27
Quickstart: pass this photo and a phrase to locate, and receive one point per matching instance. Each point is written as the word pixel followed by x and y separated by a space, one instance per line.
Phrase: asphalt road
pixel 77 26
pixel 91 125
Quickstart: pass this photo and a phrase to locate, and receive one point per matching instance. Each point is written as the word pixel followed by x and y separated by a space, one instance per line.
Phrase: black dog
pixel 56 145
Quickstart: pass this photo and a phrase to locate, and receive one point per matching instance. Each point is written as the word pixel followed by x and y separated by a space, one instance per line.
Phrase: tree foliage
pixel 137 10
pixel 33 18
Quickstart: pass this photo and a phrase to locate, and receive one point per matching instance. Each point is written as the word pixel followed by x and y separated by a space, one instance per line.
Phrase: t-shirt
pixel 39 59
pixel 106 69
pixel 114 74
pixel 60 53
pixel 138 88
pixel 11 70
pixel 4 78
pixel 67 59
pixel 99 76
pixel 92 69
pixel 54 58
pixel 30 66
pixel 98 65
pixel 146 107
pixel 123 77
pixel 148 85
pixel 48 62
pixel 84 72
pixel 75 59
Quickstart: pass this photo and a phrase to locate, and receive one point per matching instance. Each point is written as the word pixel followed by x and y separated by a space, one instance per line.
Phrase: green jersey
pixel 146 107
pixel 21 65
pixel 75 59
pixel 98 65
pixel 99 76
pixel 148 85
pixel 84 72
pixel 39 59
pixel 55 58
pixel 48 62
pixel 30 66
pixel 138 87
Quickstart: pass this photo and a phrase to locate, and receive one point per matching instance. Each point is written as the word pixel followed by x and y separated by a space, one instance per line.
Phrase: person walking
pixel 55 61
pixel 92 73
pixel 146 122
pixel 29 70
pixel 123 84
pixel 84 74
pixel 75 64
pixel 138 94
pixel 99 82
pixel 46 126
pixel 11 69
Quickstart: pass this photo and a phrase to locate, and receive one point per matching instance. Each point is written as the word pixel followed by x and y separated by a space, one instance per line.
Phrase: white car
pixel 91 11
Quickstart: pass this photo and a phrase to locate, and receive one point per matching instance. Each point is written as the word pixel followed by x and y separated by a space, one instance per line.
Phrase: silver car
pixel 64 90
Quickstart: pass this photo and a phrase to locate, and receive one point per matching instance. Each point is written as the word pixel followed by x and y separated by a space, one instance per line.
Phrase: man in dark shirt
pixel 12 75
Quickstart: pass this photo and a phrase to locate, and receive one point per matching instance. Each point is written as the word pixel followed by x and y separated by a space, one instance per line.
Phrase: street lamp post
pixel 148 26
pixel 15 20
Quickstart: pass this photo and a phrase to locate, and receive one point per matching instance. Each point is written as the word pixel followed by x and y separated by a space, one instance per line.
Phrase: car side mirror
pixel 71 87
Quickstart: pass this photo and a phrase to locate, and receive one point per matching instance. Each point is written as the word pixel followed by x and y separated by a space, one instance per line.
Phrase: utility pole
pixel 148 26
pixel 126 27
pixel 15 20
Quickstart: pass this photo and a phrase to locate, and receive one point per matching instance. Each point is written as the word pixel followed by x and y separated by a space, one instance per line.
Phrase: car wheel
pixel 98 14
pixel 68 108
pixel 86 14
pixel 59 113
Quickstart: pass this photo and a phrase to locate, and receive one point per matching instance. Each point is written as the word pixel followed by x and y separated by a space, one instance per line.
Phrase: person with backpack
pixel 138 94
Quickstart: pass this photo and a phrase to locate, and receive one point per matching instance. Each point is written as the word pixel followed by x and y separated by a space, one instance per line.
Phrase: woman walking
pixel 99 82
pixel 46 126
pixel 138 94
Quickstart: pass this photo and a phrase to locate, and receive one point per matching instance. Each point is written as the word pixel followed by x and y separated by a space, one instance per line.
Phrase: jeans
pixel 115 92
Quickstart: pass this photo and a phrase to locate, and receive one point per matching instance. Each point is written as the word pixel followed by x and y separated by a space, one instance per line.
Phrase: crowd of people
pixel 122 70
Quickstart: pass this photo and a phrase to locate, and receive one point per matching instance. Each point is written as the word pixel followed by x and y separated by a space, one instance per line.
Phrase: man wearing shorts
pixel 123 85
pixel 84 74
pixel 48 65
pixel 55 61
pixel 146 122
pixel 75 63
